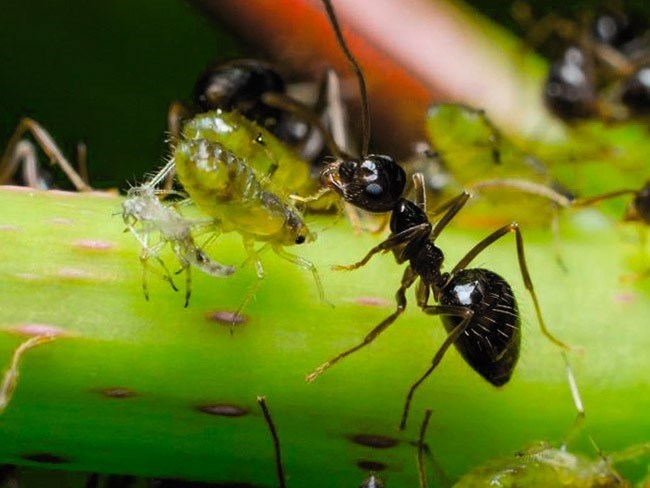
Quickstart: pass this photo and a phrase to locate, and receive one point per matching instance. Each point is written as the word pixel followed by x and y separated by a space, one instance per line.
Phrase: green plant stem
pixel 120 390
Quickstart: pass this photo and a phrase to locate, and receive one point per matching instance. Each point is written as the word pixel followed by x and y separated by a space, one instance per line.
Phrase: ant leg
pixel 279 468
pixel 284 102
pixel 82 160
pixel 577 401
pixel 586 202
pixel 488 241
pixel 48 146
pixel 10 378
pixel 330 105
pixel 463 312
pixel 388 244
pixel 525 186
pixel 400 297
pixel 305 264
pixel 450 209
pixel 175 115
pixel 423 428
pixel 25 155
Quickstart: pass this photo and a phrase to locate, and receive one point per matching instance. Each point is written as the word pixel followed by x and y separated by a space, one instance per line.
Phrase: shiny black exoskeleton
pixel 603 73
pixel 373 183
pixel 249 86
pixel 570 90
pixel 477 306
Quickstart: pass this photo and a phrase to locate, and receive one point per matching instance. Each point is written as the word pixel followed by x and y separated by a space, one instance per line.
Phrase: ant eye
pixel 300 239
pixel 374 190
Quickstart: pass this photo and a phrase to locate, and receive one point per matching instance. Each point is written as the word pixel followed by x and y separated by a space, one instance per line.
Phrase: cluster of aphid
pixel 229 155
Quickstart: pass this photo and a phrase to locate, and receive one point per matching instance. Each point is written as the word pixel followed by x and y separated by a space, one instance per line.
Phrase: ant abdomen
pixel 491 342
pixel 239 85
pixel 570 92
pixel 374 183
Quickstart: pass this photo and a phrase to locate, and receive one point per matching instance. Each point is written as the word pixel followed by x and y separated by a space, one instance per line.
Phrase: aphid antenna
pixel 356 67
pixel 279 468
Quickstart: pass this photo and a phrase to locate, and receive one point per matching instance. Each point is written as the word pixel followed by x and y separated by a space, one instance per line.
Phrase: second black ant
pixel 477 306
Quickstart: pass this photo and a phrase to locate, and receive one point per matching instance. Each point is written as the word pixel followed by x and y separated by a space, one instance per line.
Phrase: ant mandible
pixel 477 306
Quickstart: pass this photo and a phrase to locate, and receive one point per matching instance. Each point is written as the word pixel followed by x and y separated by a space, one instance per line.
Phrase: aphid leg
pixel 455 311
pixel 10 378
pixel 253 256
pixel 386 245
pixel 49 147
pixel 145 255
pixel 577 401
pixel 305 264
pixel 485 243
pixel 400 297
pixel 181 252
pixel 279 468
pixel 423 429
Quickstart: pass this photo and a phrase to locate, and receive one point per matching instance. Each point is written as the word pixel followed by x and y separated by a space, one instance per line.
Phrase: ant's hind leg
pixel 400 297
pixel 523 267
pixel 449 310
pixel 49 147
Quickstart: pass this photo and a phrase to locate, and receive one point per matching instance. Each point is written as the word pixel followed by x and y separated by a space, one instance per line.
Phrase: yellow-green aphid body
pixel 544 466
pixel 241 176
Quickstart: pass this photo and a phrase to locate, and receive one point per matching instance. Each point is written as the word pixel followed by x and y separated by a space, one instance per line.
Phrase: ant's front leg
pixel 393 241
pixel 175 115
pixel 408 279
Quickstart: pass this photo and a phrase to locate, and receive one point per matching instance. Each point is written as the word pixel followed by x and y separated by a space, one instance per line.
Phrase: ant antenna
pixel 276 441
pixel 365 107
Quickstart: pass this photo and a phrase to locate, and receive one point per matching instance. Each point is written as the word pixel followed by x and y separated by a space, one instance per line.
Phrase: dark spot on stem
pixel 223 409
pixel 226 317
pixel 375 441
pixel 373 466
pixel 45 457
pixel 117 392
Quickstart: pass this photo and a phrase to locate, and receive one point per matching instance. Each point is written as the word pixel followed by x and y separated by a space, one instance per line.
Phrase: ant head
pixel 373 183
pixel 239 85
pixel 639 209
pixel 570 92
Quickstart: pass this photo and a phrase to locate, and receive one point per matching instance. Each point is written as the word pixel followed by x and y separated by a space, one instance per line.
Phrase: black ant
pixel 257 91
pixel 477 306
pixel 604 71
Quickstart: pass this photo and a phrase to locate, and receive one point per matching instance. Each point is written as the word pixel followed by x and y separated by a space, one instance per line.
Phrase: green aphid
pixel 546 466
pixel 242 177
